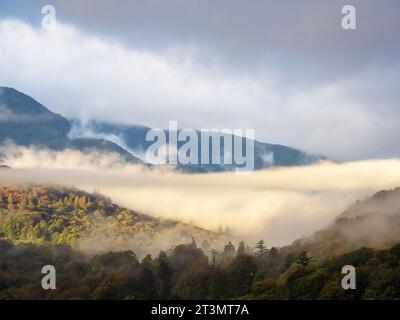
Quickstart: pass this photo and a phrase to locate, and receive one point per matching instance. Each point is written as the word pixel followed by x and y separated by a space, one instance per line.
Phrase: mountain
pixel 26 122
pixel 101 145
pixel 133 138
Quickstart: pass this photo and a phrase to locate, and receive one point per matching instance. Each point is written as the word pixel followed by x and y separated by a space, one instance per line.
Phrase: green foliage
pixel 241 273
pixel 303 259
pixel 51 215
pixel 185 273
pixel 378 277
pixel 40 226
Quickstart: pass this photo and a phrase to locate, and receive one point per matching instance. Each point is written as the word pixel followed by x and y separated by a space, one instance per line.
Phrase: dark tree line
pixel 185 272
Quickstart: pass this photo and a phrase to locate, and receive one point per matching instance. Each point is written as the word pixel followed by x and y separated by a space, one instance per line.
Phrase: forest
pixel 42 226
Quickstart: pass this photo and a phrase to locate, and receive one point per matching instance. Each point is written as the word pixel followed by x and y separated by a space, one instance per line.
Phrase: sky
pixel 286 69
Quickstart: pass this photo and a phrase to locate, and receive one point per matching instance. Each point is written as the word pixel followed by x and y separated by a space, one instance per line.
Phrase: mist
pixel 278 205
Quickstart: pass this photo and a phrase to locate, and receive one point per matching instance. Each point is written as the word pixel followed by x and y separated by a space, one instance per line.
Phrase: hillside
pixel 82 235
pixel 92 223
pixel 373 222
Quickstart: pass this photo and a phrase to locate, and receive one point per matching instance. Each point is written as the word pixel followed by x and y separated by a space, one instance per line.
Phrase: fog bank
pixel 277 205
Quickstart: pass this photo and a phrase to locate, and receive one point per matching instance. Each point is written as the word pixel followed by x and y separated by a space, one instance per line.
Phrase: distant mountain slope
pixel 133 138
pixel 56 215
pixel 101 145
pixel 374 223
pixel 26 122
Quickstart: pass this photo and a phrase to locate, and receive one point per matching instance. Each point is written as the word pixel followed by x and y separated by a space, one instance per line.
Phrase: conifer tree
pixel 303 259
pixel 241 249
pixel 261 250
pixel 229 249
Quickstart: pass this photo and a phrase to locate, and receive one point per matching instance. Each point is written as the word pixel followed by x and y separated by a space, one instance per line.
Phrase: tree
pixel 76 202
pixel 10 202
pixel 240 275
pixel 218 284
pixel 241 249
pixel 214 254
pixel 107 290
pixel 147 261
pixel 164 273
pixel 42 202
pixel 31 205
pixel 395 250
pixel 303 259
pixel 82 202
pixel 273 253
pixel 23 204
pixel 205 245
pixel 192 283
pixel 229 249
pixel 194 244
pixel 261 250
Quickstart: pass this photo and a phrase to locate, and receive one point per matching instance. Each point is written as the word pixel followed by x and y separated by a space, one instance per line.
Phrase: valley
pixel 48 225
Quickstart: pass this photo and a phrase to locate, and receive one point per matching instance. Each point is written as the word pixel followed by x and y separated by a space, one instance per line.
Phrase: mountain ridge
pixel 44 128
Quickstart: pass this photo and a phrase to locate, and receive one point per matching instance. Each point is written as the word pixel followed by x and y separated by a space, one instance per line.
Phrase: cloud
pixel 306 34
pixel 82 74
pixel 278 205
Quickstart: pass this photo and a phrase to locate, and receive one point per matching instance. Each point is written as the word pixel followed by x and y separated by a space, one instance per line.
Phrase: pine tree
pixel 273 253
pixel 229 249
pixel 194 244
pixel 261 250
pixel 241 249
pixel 214 254
pixel 303 259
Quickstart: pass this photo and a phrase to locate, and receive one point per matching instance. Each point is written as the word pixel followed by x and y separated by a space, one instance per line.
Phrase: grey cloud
pixel 303 36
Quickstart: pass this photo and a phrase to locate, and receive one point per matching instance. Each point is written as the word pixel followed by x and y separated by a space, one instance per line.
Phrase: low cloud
pixel 278 205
